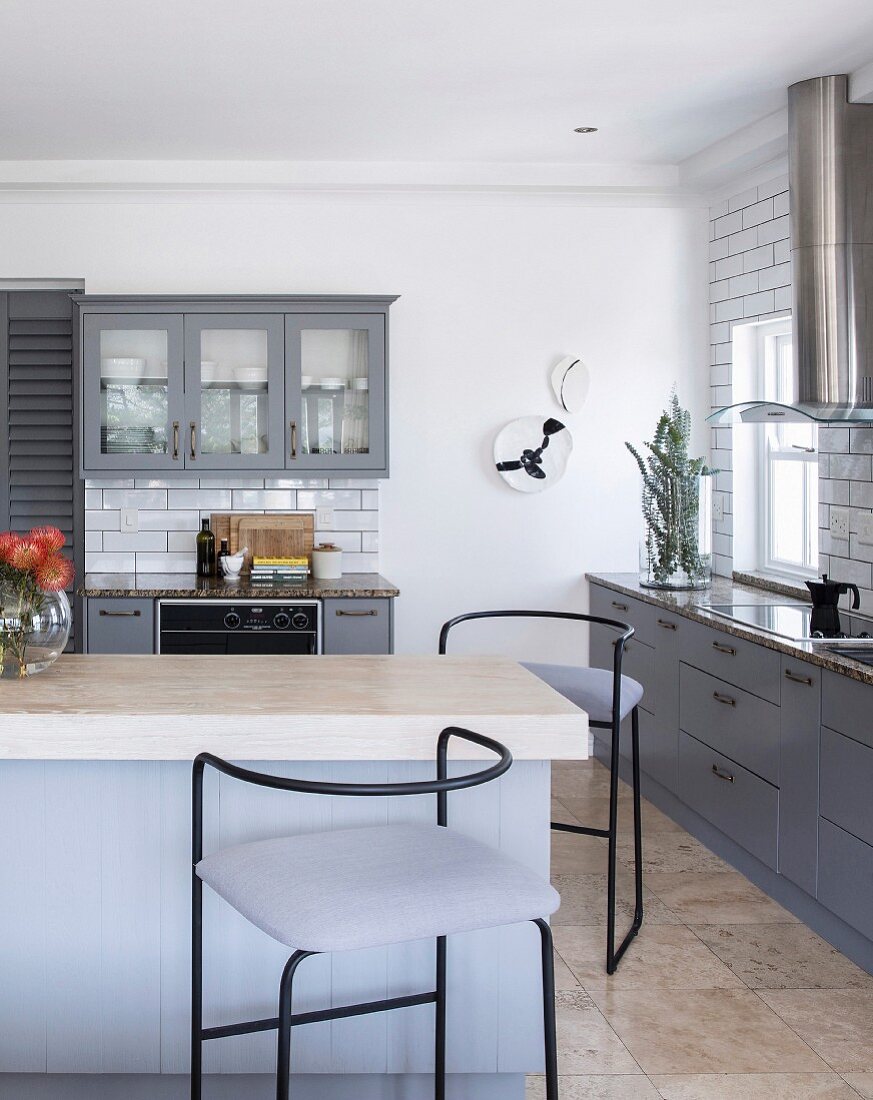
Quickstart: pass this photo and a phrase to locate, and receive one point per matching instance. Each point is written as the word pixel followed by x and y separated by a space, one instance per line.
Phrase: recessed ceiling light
pixel 585 130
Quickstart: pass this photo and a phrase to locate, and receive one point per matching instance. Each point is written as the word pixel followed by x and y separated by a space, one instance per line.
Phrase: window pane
pixel 787 512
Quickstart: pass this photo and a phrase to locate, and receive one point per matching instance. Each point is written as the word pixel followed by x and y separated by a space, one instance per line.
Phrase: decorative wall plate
pixel 531 453
pixel 570 381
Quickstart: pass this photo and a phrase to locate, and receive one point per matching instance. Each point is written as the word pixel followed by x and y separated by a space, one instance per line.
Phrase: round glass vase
pixel 678 554
pixel 33 632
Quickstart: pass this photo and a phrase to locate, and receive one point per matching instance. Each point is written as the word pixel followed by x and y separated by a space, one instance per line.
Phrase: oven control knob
pixel 231 620
pixel 300 620
pixel 281 620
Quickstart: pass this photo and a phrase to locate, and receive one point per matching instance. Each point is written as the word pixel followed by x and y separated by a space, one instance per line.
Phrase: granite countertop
pixel 188 586
pixel 692 604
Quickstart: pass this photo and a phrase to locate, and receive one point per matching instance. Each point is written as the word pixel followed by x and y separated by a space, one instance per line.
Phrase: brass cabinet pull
pixel 619 606
pixel 175 439
pixel 120 614
pixel 719 774
pixel 728 649
pixel 666 625
pixel 726 699
pixel 293 427
pixel 193 439
pixel 789 675
pixel 356 614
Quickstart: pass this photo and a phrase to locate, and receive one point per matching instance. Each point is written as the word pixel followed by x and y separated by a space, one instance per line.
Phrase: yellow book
pixel 280 561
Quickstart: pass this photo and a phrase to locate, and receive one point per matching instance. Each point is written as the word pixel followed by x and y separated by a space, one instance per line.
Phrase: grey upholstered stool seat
pixel 357 888
pixel 589 688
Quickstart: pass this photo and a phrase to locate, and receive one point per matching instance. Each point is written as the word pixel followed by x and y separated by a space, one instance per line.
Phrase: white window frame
pixel 773 341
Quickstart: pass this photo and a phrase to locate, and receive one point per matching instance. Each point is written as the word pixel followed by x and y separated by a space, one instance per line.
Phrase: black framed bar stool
pixel 367 887
pixel 608 697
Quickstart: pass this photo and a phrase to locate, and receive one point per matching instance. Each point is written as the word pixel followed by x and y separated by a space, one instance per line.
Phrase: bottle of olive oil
pixel 205 551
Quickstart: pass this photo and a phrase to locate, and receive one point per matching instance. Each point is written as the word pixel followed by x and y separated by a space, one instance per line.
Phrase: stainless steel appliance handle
pixel 120 614
pixel 193 439
pixel 726 699
pixel 728 649
pixel 719 774
pixel 789 675
pixel 175 439
pixel 356 614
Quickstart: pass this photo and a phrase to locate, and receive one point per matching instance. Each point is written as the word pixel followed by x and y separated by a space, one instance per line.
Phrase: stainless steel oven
pixel 239 626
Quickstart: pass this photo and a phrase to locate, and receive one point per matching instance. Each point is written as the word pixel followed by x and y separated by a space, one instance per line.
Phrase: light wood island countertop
pixel 105 707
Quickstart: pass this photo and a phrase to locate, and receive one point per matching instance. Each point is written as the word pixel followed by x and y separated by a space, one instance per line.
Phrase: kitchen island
pixel 95 851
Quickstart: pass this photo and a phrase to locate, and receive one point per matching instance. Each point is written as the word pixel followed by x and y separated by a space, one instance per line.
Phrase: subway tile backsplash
pixel 169 514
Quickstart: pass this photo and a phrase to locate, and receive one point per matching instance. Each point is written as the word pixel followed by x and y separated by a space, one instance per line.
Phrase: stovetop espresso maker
pixel 825 618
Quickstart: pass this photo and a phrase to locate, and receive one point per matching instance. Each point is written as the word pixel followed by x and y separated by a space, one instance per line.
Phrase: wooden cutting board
pixel 277 535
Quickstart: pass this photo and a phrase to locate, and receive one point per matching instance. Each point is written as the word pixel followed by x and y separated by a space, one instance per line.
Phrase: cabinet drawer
pixel 845 876
pixel 357 626
pixel 846 706
pixel 121 626
pixel 751 667
pixel 846 782
pixel 743 806
pixel 624 609
pixel 742 726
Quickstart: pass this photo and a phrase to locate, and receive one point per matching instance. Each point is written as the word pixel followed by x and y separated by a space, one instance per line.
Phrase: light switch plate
pixel 839 522
pixel 865 529
pixel 718 507
pixel 324 519
pixel 129 520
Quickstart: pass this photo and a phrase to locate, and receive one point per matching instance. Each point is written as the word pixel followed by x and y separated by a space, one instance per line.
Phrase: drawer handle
pixel 666 625
pixel 356 614
pixel 619 606
pixel 789 675
pixel 120 614
pixel 719 774
pixel 728 649
pixel 726 699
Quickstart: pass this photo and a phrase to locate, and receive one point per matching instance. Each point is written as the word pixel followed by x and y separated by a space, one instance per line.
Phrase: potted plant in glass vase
pixel 677 505
pixel 34 609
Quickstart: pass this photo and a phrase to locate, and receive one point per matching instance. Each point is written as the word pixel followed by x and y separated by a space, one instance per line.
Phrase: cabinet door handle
pixel 120 614
pixel 175 439
pixel 619 606
pixel 719 774
pixel 726 699
pixel 356 614
pixel 193 439
pixel 293 427
pixel 728 649
pixel 666 625
pixel 789 675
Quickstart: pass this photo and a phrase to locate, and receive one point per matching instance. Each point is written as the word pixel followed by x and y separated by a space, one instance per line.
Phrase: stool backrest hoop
pixel 439 786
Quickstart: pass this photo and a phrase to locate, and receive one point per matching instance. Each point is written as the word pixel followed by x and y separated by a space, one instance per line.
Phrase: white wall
pixel 494 289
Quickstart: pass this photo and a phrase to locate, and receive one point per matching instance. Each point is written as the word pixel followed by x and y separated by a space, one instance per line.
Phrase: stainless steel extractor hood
pixel 831 201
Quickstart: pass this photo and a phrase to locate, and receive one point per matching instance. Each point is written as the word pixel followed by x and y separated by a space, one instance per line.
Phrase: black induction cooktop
pixel 792 621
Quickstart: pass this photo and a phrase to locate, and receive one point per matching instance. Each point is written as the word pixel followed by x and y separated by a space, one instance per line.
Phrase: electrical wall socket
pixel 865 529
pixel 839 523
pixel 129 520
pixel 324 519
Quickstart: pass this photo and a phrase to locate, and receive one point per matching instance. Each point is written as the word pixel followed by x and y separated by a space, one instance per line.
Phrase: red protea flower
pixel 49 539
pixel 26 555
pixel 8 541
pixel 54 573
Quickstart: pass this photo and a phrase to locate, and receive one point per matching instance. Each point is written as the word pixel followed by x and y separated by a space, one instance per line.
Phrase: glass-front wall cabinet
pixel 339 421
pixel 229 389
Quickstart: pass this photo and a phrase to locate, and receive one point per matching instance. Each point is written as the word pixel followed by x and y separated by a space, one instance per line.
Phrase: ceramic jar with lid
pixel 327 562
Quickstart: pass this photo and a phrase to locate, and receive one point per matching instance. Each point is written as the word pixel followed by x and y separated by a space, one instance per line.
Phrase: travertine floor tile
pixel 564 976
pixel 583 901
pixel 661 957
pixel 593 809
pixel 667 852
pixel 753 1086
pixel 862 1083
pixel 561 813
pixel 836 1023
pixel 618 1086
pixel 782 956
pixel 704 1031
pixel 725 897
pixel 586 1042
pixel 578 855
pixel 572 778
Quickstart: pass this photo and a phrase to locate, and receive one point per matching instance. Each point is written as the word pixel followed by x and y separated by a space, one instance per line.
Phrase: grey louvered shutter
pixel 38 465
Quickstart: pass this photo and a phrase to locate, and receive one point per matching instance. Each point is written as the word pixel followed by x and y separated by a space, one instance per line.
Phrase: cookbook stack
pixel 268 571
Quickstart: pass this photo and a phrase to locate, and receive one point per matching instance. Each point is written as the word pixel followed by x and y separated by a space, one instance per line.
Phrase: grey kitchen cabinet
pixel 749 666
pixel 799 732
pixel 661 756
pixel 845 876
pixel 357 626
pixel 297 383
pixel 124 625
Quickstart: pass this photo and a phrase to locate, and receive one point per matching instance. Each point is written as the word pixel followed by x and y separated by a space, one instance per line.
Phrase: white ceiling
pixel 406 80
